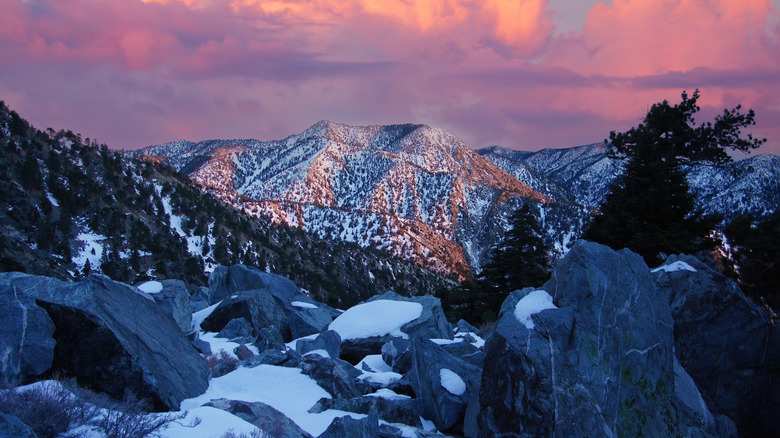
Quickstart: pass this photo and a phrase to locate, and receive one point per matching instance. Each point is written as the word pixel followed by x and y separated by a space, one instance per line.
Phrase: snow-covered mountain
pixel 582 175
pixel 423 195
pixel 412 190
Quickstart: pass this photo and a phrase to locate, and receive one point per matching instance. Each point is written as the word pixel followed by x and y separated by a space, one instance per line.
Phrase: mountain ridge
pixel 421 186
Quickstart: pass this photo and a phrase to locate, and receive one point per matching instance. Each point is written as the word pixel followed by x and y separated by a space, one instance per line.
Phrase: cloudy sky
pixel 525 74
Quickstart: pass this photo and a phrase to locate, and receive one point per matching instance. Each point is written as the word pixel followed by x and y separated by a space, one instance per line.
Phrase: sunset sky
pixel 525 74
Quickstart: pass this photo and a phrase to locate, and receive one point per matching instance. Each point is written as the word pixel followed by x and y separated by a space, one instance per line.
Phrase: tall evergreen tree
pixel 650 209
pixel 756 247
pixel 521 258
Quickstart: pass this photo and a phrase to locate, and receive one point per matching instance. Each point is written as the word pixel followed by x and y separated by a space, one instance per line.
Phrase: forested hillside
pixel 70 206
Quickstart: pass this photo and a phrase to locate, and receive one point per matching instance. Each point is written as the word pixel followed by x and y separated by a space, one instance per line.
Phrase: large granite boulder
pixel 431 324
pixel 591 354
pixel 726 343
pixel 365 328
pixel 115 339
pixel 173 298
pixel 26 337
pixel 265 300
pixel 445 385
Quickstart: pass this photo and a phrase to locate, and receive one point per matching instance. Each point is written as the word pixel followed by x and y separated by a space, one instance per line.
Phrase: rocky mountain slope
pixel 69 206
pixel 607 347
pixel 412 190
pixel 582 175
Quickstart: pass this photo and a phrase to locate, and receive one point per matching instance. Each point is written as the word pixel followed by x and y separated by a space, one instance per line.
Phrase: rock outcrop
pixel 265 300
pixel 726 343
pixel 113 338
pixel 26 337
pixel 598 362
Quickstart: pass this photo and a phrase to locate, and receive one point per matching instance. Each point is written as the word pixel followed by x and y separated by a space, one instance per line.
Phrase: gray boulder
pixel 258 307
pixel 600 364
pixel 268 419
pixel 398 354
pixel 445 385
pixel 199 299
pixel 403 411
pixel 26 337
pixel 269 338
pixel 265 300
pixel 432 323
pixel 174 299
pixel 348 427
pixel 726 343
pixel 237 330
pixel 328 340
pixel 114 338
pixel 12 427
pixel 334 375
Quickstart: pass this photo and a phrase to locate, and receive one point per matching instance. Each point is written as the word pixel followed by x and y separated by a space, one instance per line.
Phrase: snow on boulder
pixel 532 304
pixel 150 287
pixel 376 318
pixel 674 267
pixel 452 382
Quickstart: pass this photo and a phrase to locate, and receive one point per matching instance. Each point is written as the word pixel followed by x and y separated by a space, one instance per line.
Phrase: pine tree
pixel 520 260
pixel 756 247
pixel 650 209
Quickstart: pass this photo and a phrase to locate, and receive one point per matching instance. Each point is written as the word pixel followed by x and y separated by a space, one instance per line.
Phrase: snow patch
pixel 201 315
pixel 287 390
pixel 674 267
pixel 150 287
pixel 376 318
pixel 452 382
pixel 304 305
pixel 383 379
pixel 213 424
pixel 531 304
pixel 388 394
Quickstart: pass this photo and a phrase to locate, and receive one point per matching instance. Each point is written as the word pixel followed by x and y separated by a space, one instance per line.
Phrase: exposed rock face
pixel 26 337
pixel 328 340
pixel 265 300
pixel 726 343
pixel 336 376
pixel 174 299
pixel 444 384
pixel 600 364
pixel 348 427
pixel 12 427
pixel 113 338
pixel 268 419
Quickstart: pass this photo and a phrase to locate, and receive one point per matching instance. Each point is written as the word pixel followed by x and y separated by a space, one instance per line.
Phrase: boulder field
pixel 607 347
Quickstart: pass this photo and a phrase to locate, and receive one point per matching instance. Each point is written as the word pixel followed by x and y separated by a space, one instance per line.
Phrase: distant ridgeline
pixel 70 206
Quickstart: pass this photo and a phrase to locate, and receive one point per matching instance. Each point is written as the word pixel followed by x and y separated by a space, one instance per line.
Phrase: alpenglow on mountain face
pixel 415 191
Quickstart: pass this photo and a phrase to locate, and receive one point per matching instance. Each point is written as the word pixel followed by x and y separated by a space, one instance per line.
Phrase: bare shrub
pixel 221 363
pixel 130 418
pixel 48 408
pixel 59 409
pixel 254 434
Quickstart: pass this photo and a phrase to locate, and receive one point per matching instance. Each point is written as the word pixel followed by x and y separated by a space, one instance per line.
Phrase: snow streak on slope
pixel 415 191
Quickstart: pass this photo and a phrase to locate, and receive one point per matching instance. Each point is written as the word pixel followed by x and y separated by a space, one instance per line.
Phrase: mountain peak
pixel 413 190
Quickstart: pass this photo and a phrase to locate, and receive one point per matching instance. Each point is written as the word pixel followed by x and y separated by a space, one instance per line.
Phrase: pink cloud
pixel 133 73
